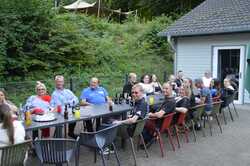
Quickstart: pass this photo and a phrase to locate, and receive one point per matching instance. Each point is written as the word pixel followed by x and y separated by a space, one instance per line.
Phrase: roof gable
pixel 213 17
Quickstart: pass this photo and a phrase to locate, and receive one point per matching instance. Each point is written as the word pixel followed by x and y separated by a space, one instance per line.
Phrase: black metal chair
pixel 214 113
pixel 232 103
pixel 130 131
pixel 227 100
pixel 57 150
pixel 99 140
pixel 198 112
pixel 14 155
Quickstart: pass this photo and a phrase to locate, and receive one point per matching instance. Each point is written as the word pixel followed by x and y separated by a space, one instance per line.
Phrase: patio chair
pixel 181 127
pixel 214 114
pixel 57 150
pixel 99 140
pixel 165 128
pixel 198 112
pixel 14 155
pixel 124 131
pixel 227 100
pixel 232 103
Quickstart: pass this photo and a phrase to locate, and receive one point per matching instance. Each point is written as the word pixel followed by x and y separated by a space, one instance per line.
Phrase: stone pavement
pixel 231 148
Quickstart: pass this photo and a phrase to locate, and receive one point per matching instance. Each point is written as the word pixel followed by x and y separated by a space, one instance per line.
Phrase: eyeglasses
pixel 40 89
pixel 134 92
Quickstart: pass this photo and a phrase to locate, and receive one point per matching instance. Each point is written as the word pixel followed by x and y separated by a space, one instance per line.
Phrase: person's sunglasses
pixel 134 92
pixel 40 89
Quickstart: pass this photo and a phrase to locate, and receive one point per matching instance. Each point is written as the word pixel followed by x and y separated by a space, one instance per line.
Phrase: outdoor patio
pixel 231 148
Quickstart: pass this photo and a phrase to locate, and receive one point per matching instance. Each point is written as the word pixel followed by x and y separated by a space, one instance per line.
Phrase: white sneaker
pixel 211 118
pixel 106 151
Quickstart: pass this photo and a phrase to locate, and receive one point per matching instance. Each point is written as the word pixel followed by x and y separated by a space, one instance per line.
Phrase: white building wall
pixel 194 54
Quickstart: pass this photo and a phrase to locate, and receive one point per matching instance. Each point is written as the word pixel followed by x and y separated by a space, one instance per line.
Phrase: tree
pixel 150 8
pixel 23 25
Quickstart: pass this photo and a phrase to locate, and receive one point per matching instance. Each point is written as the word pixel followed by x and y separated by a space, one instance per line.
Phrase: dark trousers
pixel 71 128
pixel 34 134
pixel 89 124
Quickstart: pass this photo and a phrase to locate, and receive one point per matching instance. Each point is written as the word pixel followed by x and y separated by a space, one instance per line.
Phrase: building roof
pixel 213 17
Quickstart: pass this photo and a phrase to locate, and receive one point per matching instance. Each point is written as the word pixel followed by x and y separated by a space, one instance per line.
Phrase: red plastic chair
pixel 165 128
pixel 181 127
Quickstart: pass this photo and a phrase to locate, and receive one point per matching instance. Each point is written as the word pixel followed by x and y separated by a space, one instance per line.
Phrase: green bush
pixel 37 44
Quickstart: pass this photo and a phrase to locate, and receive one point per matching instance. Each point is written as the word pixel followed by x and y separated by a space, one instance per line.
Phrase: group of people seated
pixel 180 94
pixel 42 102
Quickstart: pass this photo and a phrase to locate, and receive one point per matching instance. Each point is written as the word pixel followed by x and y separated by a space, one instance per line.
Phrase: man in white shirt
pixel 207 79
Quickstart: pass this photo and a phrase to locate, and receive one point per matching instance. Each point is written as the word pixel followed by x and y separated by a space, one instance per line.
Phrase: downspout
pixel 172 45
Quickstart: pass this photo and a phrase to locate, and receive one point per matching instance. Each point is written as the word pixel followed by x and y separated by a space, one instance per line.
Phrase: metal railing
pixel 18 92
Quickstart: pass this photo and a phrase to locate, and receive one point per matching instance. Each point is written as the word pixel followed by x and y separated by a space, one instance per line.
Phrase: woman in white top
pixel 207 79
pixel 146 85
pixel 156 84
pixel 172 79
pixel 11 131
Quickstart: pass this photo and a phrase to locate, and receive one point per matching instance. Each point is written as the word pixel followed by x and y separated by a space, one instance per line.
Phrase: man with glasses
pixel 140 108
pixel 62 97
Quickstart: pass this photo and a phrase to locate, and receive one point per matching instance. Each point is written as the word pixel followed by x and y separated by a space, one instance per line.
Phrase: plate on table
pixel 45 118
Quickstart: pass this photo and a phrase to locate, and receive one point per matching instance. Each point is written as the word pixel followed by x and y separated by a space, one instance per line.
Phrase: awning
pixel 79 4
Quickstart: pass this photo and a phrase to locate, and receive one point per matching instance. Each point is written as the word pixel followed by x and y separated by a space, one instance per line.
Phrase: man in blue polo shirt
pixel 96 95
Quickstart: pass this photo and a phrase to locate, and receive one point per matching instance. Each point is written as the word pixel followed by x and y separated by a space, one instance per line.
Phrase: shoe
pixel 197 126
pixel 148 144
pixel 72 135
pixel 107 151
pixel 210 118
pixel 141 146
pixel 32 152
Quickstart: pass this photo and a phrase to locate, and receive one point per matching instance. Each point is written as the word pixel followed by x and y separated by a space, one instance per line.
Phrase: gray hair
pixel 59 77
pixel 139 87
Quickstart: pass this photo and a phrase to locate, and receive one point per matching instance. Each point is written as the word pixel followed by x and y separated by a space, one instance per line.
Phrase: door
pixel 228 61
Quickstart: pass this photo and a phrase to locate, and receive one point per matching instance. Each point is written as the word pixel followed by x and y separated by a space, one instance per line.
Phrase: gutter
pixel 171 43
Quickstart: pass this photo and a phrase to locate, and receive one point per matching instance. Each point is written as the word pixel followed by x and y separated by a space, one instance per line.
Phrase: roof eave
pixel 166 34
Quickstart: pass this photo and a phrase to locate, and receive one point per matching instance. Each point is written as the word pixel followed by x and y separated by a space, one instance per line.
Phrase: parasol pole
pixel 99 7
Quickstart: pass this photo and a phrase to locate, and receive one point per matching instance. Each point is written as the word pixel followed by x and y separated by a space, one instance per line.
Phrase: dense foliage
pixel 36 43
pixel 148 9
pixel 151 8
pixel 24 26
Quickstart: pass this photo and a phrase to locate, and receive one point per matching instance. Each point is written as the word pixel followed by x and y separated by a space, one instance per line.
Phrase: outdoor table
pixel 87 112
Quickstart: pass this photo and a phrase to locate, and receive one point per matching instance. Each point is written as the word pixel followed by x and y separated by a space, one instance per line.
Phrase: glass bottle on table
pixel 120 99
pixel 116 99
pixel 111 104
pixel 73 108
pixel 66 113
pixel 126 96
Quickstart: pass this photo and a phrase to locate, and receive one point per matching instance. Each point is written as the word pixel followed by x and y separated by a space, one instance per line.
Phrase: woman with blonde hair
pixel 188 84
pixel 39 104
